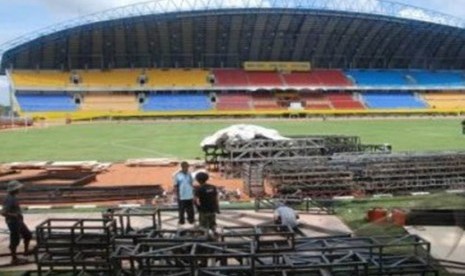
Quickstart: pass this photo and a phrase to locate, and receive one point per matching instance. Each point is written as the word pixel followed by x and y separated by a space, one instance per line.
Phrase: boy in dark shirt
pixel 206 200
pixel 14 219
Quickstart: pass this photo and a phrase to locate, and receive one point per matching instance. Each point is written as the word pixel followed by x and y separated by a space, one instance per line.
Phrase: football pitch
pixel 118 141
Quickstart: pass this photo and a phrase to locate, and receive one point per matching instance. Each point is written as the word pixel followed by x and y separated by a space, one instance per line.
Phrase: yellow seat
pixel 46 78
pixel 445 100
pixel 109 102
pixel 178 78
pixel 113 78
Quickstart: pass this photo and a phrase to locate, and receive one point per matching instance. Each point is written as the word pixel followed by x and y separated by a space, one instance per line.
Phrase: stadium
pixel 367 95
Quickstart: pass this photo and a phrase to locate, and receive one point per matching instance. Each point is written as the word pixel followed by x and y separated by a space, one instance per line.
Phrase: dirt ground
pixel 121 174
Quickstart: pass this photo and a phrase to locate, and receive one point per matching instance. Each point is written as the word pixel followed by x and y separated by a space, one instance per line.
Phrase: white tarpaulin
pixel 236 133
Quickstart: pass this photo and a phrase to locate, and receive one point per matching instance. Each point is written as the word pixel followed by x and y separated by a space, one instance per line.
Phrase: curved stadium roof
pixel 212 33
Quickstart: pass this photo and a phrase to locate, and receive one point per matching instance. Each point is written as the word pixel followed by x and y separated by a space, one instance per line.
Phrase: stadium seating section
pixel 39 79
pixel 109 102
pixel 178 78
pixel 51 101
pixel 180 90
pixel 272 79
pixel 230 77
pixel 344 101
pixel 315 101
pixel 445 100
pixel 392 99
pixel 177 102
pixel 265 100
pixel 379 78
pixel 113 78
pixel 233 101
pixel 333 78
pixel 448 79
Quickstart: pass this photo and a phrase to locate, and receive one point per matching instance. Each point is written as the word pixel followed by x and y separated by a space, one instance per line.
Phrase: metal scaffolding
pixel 94 247
pixel 232 157
pixel 345 174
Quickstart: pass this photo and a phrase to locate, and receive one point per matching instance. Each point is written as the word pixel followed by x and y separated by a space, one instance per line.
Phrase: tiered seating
pixel 45 102
pixel 428 78
pixel 233 101
pixel 445 100
pixel 264 79
pixel 301 79
pixel 315 101
pixel 109 102
pixel 392 100
pixel 173 102
pixel 332 78
pixel 379 77
pixel 38 79
pixel 230 77
pixel 344 101
pixel 178 78
pixel 113 78
pixel 264 100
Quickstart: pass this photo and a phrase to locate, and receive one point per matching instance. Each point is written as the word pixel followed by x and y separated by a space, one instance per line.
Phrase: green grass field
pixel 120 141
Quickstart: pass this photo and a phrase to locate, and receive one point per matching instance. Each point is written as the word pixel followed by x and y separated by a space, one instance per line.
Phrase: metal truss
pixel 124 220
pixel 75 245
pixel 344 174
pixel 231 157
pixel 90 247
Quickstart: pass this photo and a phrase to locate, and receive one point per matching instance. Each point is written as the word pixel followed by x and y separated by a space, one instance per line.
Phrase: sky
pixel 20 17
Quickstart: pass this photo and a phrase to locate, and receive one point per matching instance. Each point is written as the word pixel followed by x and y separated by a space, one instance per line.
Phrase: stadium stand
pixel 289 99
pixel 439 78
pixel 264 100
pixel 112 78
pixel 230 77
pixel 320 78
pixel 392 99
pixel 344 101
pixel 98 101
pixel 332 78
pixel 300 79
pixel 445 100
pixel 379 77
pixel 315 101
pixel 271 79
pixel 233 101
pixel 38 102
pixel 177 102
pixel 178 78
pixel 38 79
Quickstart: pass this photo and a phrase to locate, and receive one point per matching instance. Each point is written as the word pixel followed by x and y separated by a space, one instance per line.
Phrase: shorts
pixel 207 220
pixel 18 229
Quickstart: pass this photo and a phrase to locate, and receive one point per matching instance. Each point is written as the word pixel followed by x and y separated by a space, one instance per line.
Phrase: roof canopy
pixel 213 33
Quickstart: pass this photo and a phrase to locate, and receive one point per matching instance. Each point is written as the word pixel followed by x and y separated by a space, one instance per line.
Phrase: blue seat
pixel 439 78
pixel 378 77
pixel 46 102
pixel 174 102
pixel 390 100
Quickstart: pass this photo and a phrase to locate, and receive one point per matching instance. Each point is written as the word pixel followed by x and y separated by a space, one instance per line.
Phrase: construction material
pixel 68 195
pixel 367 173
pixel 75 245
pixel 92 247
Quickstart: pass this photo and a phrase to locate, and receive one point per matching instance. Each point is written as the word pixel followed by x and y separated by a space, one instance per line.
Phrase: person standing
pixel 184 190
pixel 14 219
pixel 206 200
